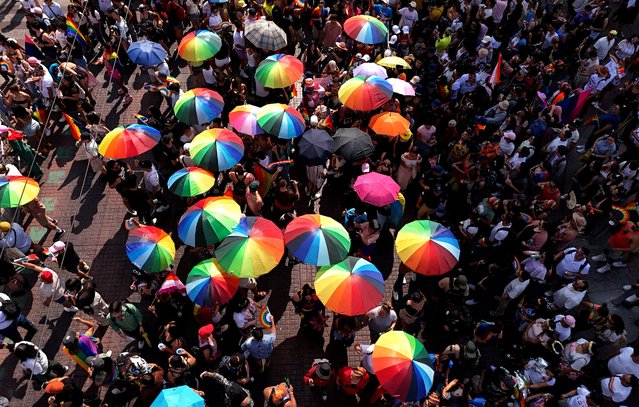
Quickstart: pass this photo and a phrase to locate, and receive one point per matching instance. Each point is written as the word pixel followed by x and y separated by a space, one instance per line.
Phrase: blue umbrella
pixel 182 396
pixel 146 53
pixel 315 147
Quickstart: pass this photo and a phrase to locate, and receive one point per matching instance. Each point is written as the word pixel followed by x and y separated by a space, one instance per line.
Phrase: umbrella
pixel 279 71
pixel 150 248
pixel 146 53
pixel 317 239
pixel 403 366
pixel 182 396
pixel 427 247
pixel 217 149
pixel 370 69
pixel 199 45
pixel 394 62
pixel 621 215
pixel 397 210
pixel 366 29
pixel 401 87
pixel 16 190
pixel 191 181
pixel 352 144
pixel 351 287
pixel 266 35
pixel 254 248
pixel 209 284
pixel 126 142
pixel 315 147
pixel 365 94
pixel 208 221
pixel 171 284
pixel 198 106
pixel 281 120
pixel 376 189
pixel 243 118
pixel 389 124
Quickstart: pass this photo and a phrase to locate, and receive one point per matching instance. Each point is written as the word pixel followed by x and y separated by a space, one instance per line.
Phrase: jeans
pixel 12 332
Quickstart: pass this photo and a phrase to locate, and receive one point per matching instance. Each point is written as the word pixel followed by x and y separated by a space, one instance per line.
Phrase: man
pixel 14 240
pixel 384 13
pixel 51 287
pixel 381 319
pixel 11 318
pixel 409 15
pixel 67 258
pixel 580 397
pixel 571 295
pixel 126 320
pixel 260 346
pixel 85 297
pixel 572 262
pixel 626 361
pixel 563 326
pixel 53 10
pixel 80 347
pixel 618 388
pixel 151 180
pixel 235 395
pixel 512 291
pixel 352 380
pixel 604 44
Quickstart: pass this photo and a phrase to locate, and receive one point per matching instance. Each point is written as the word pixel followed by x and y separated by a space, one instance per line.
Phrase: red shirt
pixel 344 380
pixel 317 381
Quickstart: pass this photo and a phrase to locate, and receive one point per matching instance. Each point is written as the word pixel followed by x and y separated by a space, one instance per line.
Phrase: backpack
pixel 239 188
pixel 11 309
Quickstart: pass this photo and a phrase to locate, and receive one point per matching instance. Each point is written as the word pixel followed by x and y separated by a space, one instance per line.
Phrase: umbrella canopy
pixel 254 248
pixel 315 147
pixel 209 284
pixel 208 221
pixel 191 181
pixel 217 149
pixel 365 94
pixel 266 35
pixel 16 190
pixel 389 124
pixel 351 287
pixel 352 144
pixel 403 366
pixel 397 210
pixel 317 240
pixel 394 62
pixel 281 120
pixel 366 29
pixel 146 53
pixel 198 106
pixel 126 142
pixel 182 396
pixel 279 71
pixel 401 87
pixel 243 118
pixel 199 45
pixel 150 249
pixel 370 69
pixel 427 247
pixel 376 189
pixel 621 215
pixel 171 284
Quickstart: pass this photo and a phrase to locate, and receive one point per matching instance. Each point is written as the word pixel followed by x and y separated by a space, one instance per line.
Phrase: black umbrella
pixel 315 147
pixel 352 144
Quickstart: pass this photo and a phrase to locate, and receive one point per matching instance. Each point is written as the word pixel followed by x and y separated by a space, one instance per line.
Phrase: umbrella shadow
pixel 89 206
pixel 278 282
pixel 76 171
pixel 111 257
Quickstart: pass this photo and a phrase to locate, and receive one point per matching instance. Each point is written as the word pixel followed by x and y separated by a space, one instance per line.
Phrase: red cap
pixel 205 331
pixel 54 387
pixel 46 276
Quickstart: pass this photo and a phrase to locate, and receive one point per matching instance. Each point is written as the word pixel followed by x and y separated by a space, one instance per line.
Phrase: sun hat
pixel 323 370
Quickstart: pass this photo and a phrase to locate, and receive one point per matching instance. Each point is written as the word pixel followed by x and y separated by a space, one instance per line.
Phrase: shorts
pixel 222 62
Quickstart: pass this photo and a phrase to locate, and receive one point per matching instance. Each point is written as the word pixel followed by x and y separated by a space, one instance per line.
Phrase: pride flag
pixel 74 126
pixel 31 49
pixel 496 75
pixel 74 31
pixel 40 115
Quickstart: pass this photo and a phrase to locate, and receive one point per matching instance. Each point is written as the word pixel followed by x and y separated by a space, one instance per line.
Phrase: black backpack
pixel 239 188
pixel 11 309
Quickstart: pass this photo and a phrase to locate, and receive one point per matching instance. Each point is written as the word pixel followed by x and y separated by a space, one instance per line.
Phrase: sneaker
pixel 627 287
pixel 162 208
pixel 140 344
pixel 604 269
pixel 117 391
pixel 132 213
pixel 580 149
pixel 71 309
pixel 65 368
pixel 471 302
pixel 599 257
pixel 324 396
pixel 243 74
pixel 59 234
pixel 619 264
pixel 395 295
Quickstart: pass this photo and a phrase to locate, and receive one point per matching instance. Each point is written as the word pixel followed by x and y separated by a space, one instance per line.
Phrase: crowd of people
pixel 523 141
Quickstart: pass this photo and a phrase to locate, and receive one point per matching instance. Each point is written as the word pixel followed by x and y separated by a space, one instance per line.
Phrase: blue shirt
pixel 384 12
pixel 260 349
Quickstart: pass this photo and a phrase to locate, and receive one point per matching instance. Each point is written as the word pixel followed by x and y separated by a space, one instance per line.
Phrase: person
pixel 572 263
pixel 235 395
pixel 67 258
pixel 571 295
pixel 280 395
pixel 320 376
pixel 91 152
pixel 254 200
pixel 151 180
pixel 245 315
pixel 617 388
pixel 51 286
pixel 381 319
pixel 180 366
pixel 11 318
pixel 625 361
pixel 14 241
pixel 34 362
pixel 352 380
pixel 208 346
pixel 84 296
pixel 37 209
pixel 81 346
pixel 126 320
pixel 260 346
pixel 576 355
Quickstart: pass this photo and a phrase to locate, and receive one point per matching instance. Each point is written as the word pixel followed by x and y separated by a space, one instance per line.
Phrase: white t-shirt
pixel 44 84
pixel 623 363
pixel 575 359
pixel 38 365
pixel 245 316
pixel 568 297
pixel 535 268
pixel 408 17
pixel 563 332
pixel 515 288
pixel 367 358
pixel 54 289
pixel 91 149
pixel 570 265
pixel 613 388
pixel 151 179
pixel 378 324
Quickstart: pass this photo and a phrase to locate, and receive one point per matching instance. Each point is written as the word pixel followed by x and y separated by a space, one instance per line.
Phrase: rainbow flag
pixel 573 104
pixel 496 75
pixel 142 119
pixel 328 122
pixel 31 49
pixel 264 177
pixel 278 163
pixel 74 31
pixel 40 115
pixel 74 126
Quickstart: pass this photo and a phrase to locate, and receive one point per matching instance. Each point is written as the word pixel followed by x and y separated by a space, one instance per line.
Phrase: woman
pixel 309 308
pixel 170 338
pixel 33 361
pixel 208 346
pixel 180 365
pixel 410 315
pixel 613 332
pixel 312 57
pixel 343 330
pixel 408 168
pixel 15 96
pixel 241 180
pixel 575 356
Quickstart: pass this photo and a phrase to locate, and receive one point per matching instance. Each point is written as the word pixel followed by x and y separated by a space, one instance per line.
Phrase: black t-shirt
pixel 138 198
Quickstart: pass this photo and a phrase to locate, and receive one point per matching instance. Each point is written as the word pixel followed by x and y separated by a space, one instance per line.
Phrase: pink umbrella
pixel 171 284
pixel 376 189
pixel 401 87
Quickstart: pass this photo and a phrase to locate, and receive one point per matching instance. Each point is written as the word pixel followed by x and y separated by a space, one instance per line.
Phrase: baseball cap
pixel 56 247
pixel 5 226
pixel 366 57
pixel 396 29
pixel 613 32
pixel 4 128
pixel 205 331
pixel 47 276
pixel 470 350
pixel 393 40
pixel 253 186
pixel 36 10
pixel 405 29
pixel 366 168
pixel 313 121
pixel 570 320
pixel 412 4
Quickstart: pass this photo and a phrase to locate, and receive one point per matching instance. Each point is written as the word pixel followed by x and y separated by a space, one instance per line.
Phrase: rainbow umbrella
pixel 209 284
pixel 401 87
pixel 370 69
pixel 427 247
pixel 198 106
pixel 217 149
pixel 129 141
pixel 621 215
pixel 199 45
pixel 243 118
pixel 253 248
pixel 394 62
pixel 150 248
pixel 389 124
pixel 279 71
pixel 208 221
pixel 281 120
pixel 376 189
pixel 351 287
pixel 317 240
pixel 403 366
pixel 191 181
pixel 171 284
pixel 365 94
pixel 366 29
pixel 16 190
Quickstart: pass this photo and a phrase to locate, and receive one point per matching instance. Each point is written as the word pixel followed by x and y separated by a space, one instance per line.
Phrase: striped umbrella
pixel 199 45
pixel 208 221
pixel 427 247
pixel 150 249
pixel 266 35
pixel 279 71
pixel 366 29
pixel 370 69
pixel 198 106
pixel 126 142
pixel 365 94
pixel 243 118
pixel 191 181
pixel 281 120
pixel 208 284
pixel 317 239
pixel 217 149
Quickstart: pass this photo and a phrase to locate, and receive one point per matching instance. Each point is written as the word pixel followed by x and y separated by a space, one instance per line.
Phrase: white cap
pixel 405 29
pixel 510 135
pixel 313 121
pixel 396 29
pixel 366 168
pixel 358 55
pixel 415 79
pixel 583 391
pixel 487 39
pixel 412 4
pixel 388 53
pixel 56 247
pixel 392 40
pixel 366 57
